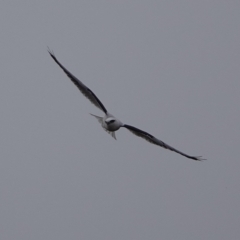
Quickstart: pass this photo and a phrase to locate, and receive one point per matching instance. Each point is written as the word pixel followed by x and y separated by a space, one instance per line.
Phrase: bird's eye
pixel 111 121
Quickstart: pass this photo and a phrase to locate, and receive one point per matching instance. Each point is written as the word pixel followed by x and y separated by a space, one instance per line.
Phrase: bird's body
pixel 109 122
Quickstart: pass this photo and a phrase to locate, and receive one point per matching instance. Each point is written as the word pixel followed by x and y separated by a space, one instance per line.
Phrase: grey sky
pixel 168 67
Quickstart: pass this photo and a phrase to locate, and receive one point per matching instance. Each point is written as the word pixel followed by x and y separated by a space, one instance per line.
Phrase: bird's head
pixel 110 120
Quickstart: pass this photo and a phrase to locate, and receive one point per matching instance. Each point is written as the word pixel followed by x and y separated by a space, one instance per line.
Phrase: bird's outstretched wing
pixel 158 142
pixel 83 88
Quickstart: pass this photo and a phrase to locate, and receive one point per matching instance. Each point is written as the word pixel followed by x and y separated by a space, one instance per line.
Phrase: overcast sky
pixel 171 68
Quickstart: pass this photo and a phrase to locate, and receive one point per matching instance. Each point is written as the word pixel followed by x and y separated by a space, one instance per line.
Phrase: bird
pixel 110 123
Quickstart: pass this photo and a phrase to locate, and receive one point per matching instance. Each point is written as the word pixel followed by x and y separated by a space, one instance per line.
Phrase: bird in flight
pixel 109 122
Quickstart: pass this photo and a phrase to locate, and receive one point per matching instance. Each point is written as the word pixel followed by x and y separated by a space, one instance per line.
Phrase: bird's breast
pixel 113 126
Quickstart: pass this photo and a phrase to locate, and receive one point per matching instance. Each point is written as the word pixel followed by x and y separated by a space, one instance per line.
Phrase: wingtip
pixel 50 51
pixel 199 158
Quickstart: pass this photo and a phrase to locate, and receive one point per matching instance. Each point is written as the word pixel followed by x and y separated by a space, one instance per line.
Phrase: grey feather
pixel 83 88
pixel 150 138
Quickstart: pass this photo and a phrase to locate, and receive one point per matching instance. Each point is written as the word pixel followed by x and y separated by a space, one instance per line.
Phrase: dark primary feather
pixel 158 142
pixel 83 88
